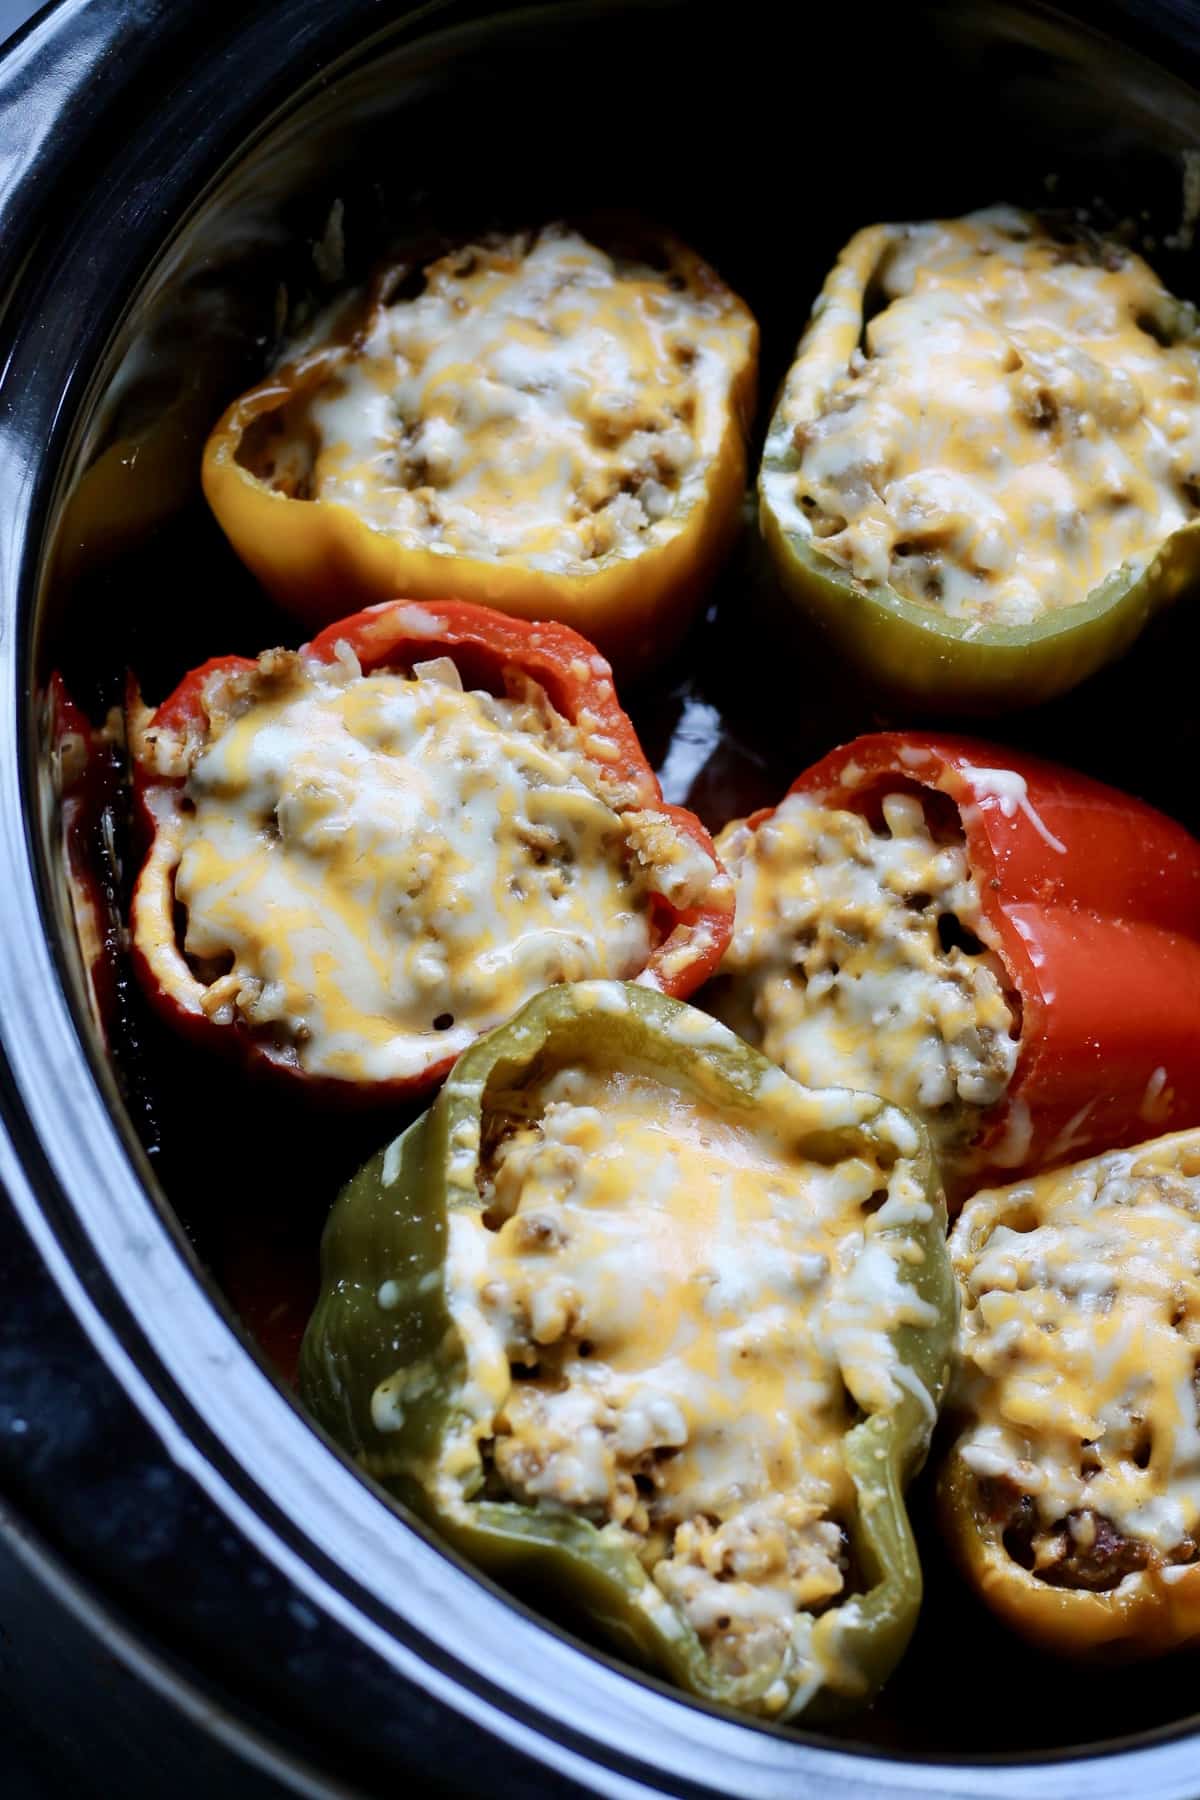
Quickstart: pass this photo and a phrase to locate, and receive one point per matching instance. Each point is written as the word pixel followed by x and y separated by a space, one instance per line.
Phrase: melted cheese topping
pixel 539 402
pixel 1022 420
pixel 838 971
pixel 1081 1340
pixel 670 1318
pixel 377 868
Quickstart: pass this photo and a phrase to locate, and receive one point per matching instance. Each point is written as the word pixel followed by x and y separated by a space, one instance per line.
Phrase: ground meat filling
pixel 858 960
pixel 687 1343
pixel 1080 1345
pixel 1084 1550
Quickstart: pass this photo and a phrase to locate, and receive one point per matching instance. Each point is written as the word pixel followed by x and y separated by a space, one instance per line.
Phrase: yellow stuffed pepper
pixel 548 427
pixel 1071 1496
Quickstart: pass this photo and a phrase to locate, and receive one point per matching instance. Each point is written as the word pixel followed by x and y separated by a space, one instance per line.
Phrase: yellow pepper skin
pixel 1149 1611
pixel 913 653
pixel 1148 1615
pixel 320 559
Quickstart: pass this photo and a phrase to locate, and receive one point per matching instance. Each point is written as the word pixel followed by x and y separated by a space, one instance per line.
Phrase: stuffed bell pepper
pixel 1071 1496
pixel 546 428
pixel 629 1311
pixel 363 854
pixel 983 475
pixel 1007 948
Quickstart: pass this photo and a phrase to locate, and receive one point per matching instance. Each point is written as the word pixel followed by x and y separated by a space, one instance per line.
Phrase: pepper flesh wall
pixel 630 1305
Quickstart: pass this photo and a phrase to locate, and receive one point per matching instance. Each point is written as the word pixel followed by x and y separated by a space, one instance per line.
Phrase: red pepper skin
pixel 1093 898
pixel 483 643
pixel 87 770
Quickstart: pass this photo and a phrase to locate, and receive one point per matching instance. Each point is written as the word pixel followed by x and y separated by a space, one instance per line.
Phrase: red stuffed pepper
pixel 364 853
pixel 1007 947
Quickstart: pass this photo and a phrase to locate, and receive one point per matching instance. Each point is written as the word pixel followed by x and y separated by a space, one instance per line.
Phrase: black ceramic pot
pixel 197 1594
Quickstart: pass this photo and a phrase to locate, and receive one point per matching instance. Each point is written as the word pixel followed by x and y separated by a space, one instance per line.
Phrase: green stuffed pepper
pixel 631 1313
pixel 983 474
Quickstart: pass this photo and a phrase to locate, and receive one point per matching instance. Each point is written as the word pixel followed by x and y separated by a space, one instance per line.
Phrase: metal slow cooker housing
pixel 163 168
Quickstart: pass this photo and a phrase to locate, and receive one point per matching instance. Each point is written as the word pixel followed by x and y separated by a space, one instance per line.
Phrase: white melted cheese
pixel 1022 419
pixel 538 402
pixel 668 1314
pixel 837 972
pixel 1081 1339
pixel 377 868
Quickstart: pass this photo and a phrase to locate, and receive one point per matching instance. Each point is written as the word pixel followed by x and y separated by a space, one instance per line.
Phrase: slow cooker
pixel 195 1587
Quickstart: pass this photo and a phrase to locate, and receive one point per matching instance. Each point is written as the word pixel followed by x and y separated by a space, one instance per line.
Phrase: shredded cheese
pixel 669 1316
pixel 1021 420
pixel 539 402
pixel 374 869
pixel 1080 1346
pixel 838 971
